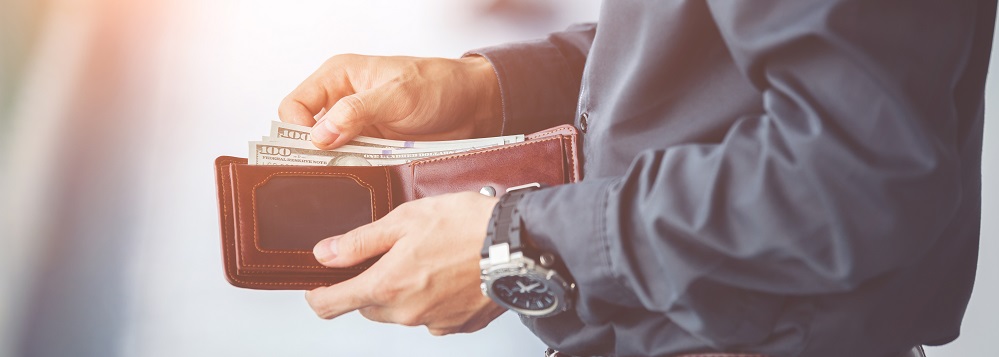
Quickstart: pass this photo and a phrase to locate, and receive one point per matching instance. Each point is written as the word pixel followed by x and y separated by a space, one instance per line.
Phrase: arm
pixel 539 80
pixel 441 289
pixel 410 98
pixel 851 170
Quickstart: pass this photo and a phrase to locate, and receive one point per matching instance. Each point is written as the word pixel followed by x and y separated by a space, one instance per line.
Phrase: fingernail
pixel 322 113
pixel 324 132
pixel 325 250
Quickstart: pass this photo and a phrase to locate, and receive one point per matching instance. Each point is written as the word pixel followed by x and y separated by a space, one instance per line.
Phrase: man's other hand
pixel 402 98
pixel 429 273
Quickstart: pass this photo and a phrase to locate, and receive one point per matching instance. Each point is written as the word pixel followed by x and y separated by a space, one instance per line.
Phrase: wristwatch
pixel 517 275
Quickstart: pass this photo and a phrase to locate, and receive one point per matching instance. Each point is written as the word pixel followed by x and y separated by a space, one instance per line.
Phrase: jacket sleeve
pixel 539 80
pixel 849 172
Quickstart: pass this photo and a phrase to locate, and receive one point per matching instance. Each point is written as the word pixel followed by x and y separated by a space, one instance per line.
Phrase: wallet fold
pixel 272 216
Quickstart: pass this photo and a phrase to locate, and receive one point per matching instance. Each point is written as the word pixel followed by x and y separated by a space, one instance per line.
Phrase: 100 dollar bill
pixel 270 153
pixel 281 131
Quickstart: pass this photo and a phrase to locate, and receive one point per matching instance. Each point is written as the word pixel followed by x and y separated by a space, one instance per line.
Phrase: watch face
pixel 524 292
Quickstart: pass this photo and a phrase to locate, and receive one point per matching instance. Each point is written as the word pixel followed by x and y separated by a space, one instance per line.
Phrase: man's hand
pixel 429 274
pixel 403 98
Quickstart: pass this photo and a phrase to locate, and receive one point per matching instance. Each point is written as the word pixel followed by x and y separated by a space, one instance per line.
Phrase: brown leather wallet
pixel 272 216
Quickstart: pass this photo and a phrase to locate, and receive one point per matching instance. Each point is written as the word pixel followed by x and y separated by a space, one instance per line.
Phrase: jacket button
pixel 583 121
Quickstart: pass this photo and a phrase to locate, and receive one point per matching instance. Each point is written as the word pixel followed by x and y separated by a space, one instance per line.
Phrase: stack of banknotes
pixel 291 144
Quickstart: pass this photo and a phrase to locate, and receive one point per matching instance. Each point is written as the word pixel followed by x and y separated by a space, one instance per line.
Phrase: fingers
pixel 391 316
pixel 442 331
pixel 320 90
pixel 350 115
pixel 356 246
pixel 332 301
pixel 302 104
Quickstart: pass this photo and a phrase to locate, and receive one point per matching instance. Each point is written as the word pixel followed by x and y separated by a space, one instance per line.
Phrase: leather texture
pixel 271 216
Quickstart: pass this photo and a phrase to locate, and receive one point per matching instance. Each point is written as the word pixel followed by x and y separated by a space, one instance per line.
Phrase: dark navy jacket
pixel 799 178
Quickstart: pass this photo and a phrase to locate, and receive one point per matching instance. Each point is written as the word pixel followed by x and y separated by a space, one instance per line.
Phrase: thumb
pixel 348 117
pixel 354 247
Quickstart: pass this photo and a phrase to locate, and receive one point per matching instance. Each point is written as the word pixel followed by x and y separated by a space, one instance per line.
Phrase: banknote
pixel 290 144
pixel 291 153
pixel 281 131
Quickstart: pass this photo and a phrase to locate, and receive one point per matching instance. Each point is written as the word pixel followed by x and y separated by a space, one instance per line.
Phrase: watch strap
pixel 505 223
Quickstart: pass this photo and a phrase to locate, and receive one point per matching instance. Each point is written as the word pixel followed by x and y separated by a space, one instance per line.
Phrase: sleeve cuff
pixel 536 84
pixel 570 220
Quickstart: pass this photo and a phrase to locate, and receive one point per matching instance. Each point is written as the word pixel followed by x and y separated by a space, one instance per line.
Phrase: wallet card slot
pixel 295 212
pixel 311 201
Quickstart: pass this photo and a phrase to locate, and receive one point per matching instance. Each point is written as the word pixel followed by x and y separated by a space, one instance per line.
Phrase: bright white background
pixel 201 78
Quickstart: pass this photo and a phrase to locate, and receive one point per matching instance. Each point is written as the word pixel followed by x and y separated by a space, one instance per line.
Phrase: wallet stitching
pixel 226 227
pixel 561 131
pixel 412 185
pixel 229 238
pixel 573 150
pixel 253 211
pixel 226 240
pixel 388 190
pixel 571 144
pixel 456 156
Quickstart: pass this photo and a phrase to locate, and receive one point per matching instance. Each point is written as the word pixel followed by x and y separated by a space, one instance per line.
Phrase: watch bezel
pixel 519 265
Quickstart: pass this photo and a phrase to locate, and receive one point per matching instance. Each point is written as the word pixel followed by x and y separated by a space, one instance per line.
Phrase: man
pixel 795 178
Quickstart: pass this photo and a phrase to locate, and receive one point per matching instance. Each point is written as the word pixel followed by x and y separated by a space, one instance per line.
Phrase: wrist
pixel 488 115
pixel 515 274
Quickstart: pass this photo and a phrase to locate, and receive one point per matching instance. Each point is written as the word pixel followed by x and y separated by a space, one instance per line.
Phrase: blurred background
pixel 111 112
